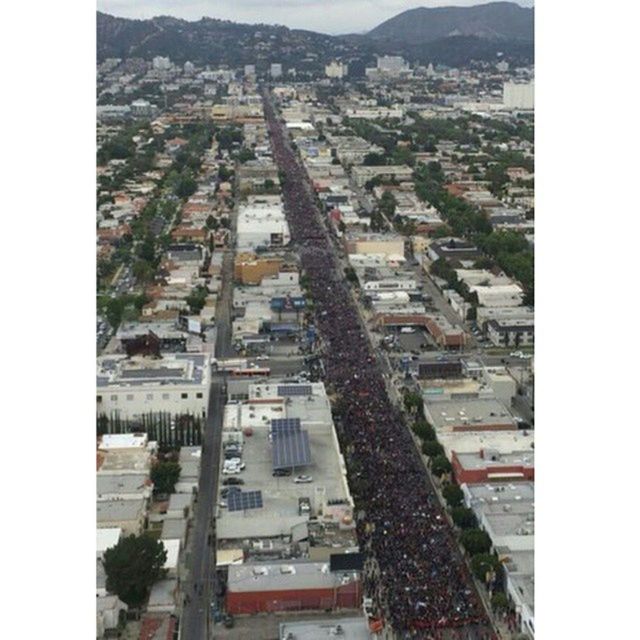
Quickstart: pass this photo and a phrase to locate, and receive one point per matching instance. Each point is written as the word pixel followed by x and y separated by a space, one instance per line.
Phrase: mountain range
pixel 448 35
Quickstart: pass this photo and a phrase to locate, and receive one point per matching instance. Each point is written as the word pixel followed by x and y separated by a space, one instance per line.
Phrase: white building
pixel 161 64
pixel 275 70
pixel 518 95
pixel 129 387
pixel 262 224
pixel 249 70
pixel 189 67
pixel 141 109
pixel 336 69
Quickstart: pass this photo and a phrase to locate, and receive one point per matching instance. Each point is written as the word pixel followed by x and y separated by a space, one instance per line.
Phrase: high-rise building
pixel 336 69
pixel 249 69
pixel 189 67
pixel 502 66
pixel 276 70
pixel 518 95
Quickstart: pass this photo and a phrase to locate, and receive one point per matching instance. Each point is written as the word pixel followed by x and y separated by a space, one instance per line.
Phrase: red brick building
pixel 488 465
pixel 290 587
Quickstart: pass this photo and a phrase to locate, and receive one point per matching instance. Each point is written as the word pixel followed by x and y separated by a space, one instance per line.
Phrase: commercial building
pixel 262 223
pixel 355 628
pixel 388 245
pixel 510 333
pixel 294 586
pixel 130 387
pixel 489 465
pixel 473 414
pixel 518 95
pixel 275 70
pixel 337 70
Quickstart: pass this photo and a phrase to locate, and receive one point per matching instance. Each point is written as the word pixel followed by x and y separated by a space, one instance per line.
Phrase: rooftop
pixel 351 629
pixel 473 414
pixel 285 575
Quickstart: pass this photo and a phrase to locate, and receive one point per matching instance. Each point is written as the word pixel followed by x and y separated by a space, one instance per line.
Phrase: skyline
pixel 352 16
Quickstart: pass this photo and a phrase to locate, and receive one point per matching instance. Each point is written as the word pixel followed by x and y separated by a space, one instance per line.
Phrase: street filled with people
pixel 421 585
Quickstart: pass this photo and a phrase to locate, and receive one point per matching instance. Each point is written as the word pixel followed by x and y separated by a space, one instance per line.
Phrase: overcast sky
pixel 326 16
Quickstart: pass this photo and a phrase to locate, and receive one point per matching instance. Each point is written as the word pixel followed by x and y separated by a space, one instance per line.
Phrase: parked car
pixel 302 479
pixel 232 481
pixel 278 473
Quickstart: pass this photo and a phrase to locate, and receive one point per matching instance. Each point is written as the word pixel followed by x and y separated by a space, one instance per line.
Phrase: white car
pixel 516 354
pixel 227 471
pixel 262 358
pixel 302 479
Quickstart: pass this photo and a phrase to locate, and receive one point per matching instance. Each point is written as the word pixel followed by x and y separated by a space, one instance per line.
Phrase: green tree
pixel 464 518
pixel 424 430
pixel 212 222
pixel 452 493
pixel 244 155
pixel 374 159
pixel 475 541
pixel 196 299
pixel 431 448
pixel 499 601
pixel 132 566
pixel 143 271
pixel 164 476
pixel 440 465
pixel 482 564
pixel 412 401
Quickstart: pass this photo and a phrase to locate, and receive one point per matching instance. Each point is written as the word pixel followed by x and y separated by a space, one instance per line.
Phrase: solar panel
pixel 291 450
pixel 241 500
pixel 285 425
pixel 294 390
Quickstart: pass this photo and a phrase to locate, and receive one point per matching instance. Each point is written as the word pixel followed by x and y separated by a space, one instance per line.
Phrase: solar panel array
pixel 242 500
pixel 285 425
pixel 294 390
pixel 291 450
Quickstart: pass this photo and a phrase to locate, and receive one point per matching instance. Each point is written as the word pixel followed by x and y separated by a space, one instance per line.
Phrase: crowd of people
pixel 421 585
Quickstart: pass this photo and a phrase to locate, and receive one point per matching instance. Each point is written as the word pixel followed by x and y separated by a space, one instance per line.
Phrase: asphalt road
pixel 200 587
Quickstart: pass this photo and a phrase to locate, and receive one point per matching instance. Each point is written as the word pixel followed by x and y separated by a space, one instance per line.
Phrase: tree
pixel 212 222
pixel 499 601
pixel 464 518
pixel 431 448
pixel 132 566
pixel 269 184
pixel 475 541
pixel 482 564
pixel 412 401
pixel 351 276
pixel 196 299
pixel 244 155
pixel 164 476
pixel 424 430
pixel 440 465
pixel 374 159
pixel 452 493
pixel 143 271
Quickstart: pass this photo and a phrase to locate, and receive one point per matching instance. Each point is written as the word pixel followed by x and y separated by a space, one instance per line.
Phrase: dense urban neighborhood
pixel 315 349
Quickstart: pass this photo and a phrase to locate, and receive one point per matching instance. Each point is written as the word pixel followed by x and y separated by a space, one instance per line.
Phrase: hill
pixel 220 42
pixel 496 20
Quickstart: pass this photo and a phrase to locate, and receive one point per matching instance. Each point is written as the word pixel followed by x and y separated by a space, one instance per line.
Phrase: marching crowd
pixel 421 583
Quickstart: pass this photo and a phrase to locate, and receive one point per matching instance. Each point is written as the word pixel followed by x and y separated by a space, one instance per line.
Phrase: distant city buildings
pixel 518 95
pixel 337 70
pixel 275 70
pixel 161 64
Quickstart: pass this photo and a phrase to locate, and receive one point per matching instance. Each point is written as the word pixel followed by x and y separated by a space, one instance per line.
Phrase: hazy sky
pixel 326 16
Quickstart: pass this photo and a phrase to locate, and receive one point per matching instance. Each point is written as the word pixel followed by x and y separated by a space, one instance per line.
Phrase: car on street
pixel 302 479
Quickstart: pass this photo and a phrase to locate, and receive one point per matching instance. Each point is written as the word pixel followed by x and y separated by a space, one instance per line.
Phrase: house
pixel 110 615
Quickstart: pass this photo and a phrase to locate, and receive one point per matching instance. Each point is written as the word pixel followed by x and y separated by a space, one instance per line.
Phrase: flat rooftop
pixel 472 441
pixel 280 494
pixel 472 414
pixel 495 459
pixel 118 483
pixel 119 510
pixel 284 575
pixel 352 629
pixel 179 368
